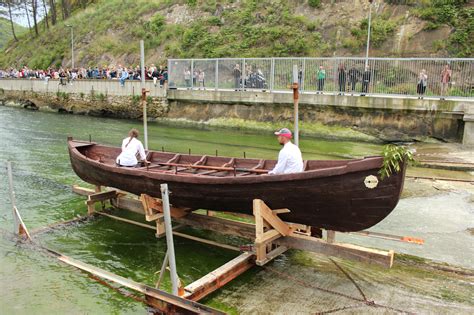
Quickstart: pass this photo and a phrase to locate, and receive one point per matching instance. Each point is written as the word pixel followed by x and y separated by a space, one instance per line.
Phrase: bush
pixel 431 26
pixel 156 23
pixel 314 3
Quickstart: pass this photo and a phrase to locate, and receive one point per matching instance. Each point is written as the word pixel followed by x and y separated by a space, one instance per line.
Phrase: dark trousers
pixel 237 82
pixel 365 86
pixel 420 89
pixel 353 85
pixel 320 84
pixel 342 85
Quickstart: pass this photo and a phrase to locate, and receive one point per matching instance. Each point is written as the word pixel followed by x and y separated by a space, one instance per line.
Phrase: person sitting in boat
pixel 130 147
pixel 289 158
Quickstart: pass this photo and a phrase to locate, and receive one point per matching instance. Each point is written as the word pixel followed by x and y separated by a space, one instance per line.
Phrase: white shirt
pixel 129 152
pixel 289 160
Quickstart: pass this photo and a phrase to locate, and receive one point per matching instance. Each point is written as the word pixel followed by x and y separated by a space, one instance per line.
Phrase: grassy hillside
pixel 108 31
pixel 6 31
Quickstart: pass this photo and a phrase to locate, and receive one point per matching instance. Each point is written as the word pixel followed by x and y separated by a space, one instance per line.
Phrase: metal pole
pixel 295 101
pixel 192 74
pixel 142 62
pixel 169 238
pixel 72 44
pixel 12 197
pixel 217 75
pixel 368 35
pixel 272 75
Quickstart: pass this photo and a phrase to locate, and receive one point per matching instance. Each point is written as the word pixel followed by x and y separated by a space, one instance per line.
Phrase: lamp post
pixel 72 44
pixel 368 34
pixel 295 88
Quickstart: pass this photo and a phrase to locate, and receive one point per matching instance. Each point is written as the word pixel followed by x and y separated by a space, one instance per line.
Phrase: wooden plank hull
pixel 331 197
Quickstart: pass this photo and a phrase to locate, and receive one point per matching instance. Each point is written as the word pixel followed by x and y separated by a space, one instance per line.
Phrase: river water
pixel 32 282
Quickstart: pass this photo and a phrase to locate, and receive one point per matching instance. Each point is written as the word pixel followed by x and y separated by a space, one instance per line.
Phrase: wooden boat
pixel 340 195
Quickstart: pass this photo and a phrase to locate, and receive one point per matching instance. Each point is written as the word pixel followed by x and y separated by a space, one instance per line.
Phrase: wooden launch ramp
pixel 269 235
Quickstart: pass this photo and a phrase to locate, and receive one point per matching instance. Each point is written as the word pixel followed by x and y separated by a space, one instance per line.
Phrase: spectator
pixel 123 77
pixel 445 80
pixel 321 76
pixel 155 74
pixel 237 77
pixel 366 76
pixel 187 78
pixel 341 78
pixel 164 77
pixel 201 77
pixel 300 78
pixel 62 77
pixel 422 83
pixel 195 75
pixel 354 76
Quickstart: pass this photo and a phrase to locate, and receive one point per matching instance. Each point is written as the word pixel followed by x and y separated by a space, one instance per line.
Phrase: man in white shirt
pixel 130 147
pixel 289 158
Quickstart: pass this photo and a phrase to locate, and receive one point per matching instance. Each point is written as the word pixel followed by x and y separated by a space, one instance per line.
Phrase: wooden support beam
pixel 101 196
pixel 153 205
pixel 159 299
pixel 266 213
pixel 219 277
pixel 83 191
pixel 346 251
pixel 272 254
pixel 179 234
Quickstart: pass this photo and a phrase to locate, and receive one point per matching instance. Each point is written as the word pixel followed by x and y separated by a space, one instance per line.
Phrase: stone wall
pixel 86 104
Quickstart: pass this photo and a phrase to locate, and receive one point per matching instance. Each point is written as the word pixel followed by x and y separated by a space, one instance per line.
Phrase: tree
pixel 27 15
pixel 45 14
pixel 6 10
pixel 52 11
pixel 66 8
pixel 34 10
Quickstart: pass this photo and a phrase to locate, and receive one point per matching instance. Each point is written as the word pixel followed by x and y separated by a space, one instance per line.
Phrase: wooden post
pixel 19 227
pixel 268 227
pixel 331 236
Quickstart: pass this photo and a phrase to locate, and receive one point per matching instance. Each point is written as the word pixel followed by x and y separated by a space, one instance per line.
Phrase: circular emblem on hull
pixel 371 181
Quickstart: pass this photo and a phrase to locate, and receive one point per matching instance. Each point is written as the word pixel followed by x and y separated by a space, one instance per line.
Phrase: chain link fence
pixel 382 76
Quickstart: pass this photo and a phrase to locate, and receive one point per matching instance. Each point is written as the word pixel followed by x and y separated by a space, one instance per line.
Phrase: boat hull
pixel 334 199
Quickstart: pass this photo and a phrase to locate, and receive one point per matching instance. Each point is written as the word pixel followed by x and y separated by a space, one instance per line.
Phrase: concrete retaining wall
pixel 105 87
pixel 387 118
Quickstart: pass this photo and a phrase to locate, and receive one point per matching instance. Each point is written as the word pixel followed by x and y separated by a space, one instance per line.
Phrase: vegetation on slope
pixel 108 31
pixel 6 32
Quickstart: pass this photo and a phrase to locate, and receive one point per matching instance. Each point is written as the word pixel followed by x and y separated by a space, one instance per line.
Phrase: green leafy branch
pixel 393 158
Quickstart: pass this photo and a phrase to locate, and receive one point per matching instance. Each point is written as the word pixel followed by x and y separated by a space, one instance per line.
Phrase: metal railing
pixel 384 76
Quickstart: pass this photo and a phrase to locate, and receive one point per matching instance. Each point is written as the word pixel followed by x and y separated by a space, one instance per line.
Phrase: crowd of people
pixel 252 77
pixel 68 76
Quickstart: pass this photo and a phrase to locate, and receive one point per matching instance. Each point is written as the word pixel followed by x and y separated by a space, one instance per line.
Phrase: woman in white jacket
pixel 130 147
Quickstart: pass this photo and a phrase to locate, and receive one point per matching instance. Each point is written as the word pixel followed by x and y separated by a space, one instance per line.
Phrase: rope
pixel 312 286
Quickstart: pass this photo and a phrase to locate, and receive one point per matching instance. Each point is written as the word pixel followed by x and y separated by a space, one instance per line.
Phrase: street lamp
pixel 72 44
pixel 368 35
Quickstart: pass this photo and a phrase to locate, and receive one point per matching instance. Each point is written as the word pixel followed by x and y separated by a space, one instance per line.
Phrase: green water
pixel 32 282
pixel 36 143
